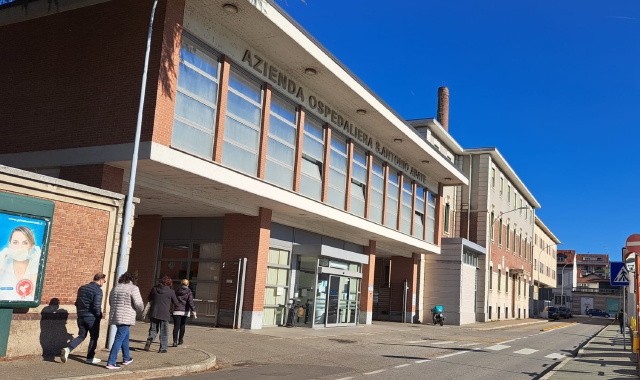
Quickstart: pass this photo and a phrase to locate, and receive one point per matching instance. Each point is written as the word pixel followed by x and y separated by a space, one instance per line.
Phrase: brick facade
pixel 144 251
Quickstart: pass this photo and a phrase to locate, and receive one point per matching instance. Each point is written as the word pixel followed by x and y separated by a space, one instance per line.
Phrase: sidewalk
pixel 603 357
pixel 206 347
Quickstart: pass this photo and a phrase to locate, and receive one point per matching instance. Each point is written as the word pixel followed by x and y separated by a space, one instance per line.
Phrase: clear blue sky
pixel 554 85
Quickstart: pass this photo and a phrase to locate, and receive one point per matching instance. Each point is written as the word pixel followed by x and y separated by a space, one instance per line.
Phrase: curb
pixel 578 355
pixel 141 374
pixel 508 326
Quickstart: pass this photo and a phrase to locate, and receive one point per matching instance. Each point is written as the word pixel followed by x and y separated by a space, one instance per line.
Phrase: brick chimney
pixel 442 114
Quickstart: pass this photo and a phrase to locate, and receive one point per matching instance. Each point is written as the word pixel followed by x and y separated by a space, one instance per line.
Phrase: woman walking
pixel 124 300
pixel 181 311
pixel 160 297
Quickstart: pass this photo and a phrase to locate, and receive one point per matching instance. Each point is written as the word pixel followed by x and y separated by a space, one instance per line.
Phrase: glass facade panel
pixel 431 217
pixel 312 159
pixel 196 97
pixel 393 189
pixel 377 191
pixel 407 200
pixel 358 189
pixel 281 146
pixel 242 124
pixel 276 288
pixel 418 218
pixel 337 172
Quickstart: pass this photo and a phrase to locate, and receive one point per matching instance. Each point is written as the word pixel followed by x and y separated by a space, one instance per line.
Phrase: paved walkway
pixel 603 357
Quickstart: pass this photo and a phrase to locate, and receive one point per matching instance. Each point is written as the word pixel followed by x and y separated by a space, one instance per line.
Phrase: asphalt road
pixel 450 352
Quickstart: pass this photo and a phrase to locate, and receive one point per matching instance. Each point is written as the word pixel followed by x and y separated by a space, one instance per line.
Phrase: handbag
pixel 145 311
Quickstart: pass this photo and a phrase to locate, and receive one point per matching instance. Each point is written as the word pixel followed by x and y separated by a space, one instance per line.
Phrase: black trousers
pixel 179 326
pixel 86 325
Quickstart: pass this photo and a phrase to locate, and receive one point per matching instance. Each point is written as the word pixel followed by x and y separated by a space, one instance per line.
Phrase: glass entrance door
pixel 342 301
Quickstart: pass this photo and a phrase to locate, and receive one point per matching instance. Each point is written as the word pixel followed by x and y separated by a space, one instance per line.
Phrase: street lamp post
pixel 490 244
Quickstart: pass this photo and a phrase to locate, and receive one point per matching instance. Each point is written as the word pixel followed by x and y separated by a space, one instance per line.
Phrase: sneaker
pixel 64 354
pixel 175 344
pixel 93 361
pixel 180 343
pixel 162 351
pixel 147 345
pixel 127 362
pixel 112 366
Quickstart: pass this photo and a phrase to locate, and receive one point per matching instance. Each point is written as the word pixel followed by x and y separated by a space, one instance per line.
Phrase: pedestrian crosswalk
pixel 500 347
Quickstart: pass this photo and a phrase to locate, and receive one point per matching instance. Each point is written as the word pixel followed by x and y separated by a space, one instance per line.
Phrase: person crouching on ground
pixel 160 297
pixel 125 300
pixel 181 311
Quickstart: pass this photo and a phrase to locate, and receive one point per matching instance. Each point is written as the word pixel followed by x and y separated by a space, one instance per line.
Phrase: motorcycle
pixel 438 318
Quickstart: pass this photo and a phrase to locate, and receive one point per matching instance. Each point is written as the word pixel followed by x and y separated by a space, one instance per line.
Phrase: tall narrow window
pixel 501 185
pixel 377 191
pixel 499 278
pixel 500 232
pixel 393 190
pixel 493 226
pixel 312 159
pixel 508 193
pixel 196 99
pixel 519 285
pixel 358 182
pixel 490 278
pixel 447 212
pixel 242 125
pixel 418 218
pixel 506 282
pixel 407 200
pixel 431 217
pixel 493 177
pixel 338 171
pixel 281 147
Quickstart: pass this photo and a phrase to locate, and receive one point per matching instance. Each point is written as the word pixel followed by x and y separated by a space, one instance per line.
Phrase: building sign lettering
pixel 280 80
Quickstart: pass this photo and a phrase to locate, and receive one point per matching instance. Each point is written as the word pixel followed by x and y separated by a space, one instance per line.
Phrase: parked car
pixel 565 312
pixel 552 312
pixel 598 313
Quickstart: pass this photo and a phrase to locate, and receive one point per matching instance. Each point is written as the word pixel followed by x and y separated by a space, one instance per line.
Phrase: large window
pixel 276 287
pixel 196 98
pixel 376 195
pixel 312 159
pixel 418 218
pixel 281 147
pixel 242 125
pixel 393 190
pixel 338 171
pixel 358 182
pixel 431 218
pixel 407 200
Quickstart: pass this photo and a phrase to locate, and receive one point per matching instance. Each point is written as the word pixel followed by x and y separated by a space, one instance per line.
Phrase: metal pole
pixel 404 302
pixel 624 312
pixel 126 223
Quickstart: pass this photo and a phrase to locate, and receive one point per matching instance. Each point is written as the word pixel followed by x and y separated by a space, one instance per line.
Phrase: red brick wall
pixel 405 268
pixel 74 77
pixel 368 270
pixel 145 238
pixel 101 176
pixel 246 236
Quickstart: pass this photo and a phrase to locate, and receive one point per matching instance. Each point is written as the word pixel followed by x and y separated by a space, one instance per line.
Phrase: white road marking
pixel 507 341
pixel 346 378
pixel 422 361
pixel 402 365
pixel 525 351
pixel 445 342
pixel 469 344
pixel 497 347
pixel 555 356
pixel 416 341
pixel 374 372
pixel 454 354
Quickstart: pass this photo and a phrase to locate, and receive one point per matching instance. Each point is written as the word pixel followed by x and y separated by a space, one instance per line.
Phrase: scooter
pixel 438 318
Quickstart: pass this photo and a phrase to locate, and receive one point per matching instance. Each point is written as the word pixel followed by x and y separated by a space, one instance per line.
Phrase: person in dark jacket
pixel 160 297
pixel 181 311
pixel 620 318
pixel 89 310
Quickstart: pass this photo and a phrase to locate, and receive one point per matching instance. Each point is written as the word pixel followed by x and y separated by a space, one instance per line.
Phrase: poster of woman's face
pixel 21 239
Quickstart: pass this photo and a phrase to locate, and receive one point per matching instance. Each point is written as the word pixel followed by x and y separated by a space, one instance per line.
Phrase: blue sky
pixel 554 85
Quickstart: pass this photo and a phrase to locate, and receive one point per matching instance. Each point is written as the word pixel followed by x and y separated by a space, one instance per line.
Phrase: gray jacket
pixel 124 300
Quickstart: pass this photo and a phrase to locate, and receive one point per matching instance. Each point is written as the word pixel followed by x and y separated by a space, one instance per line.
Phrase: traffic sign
pixel 630 262
pixel 633 243
pixel 619 274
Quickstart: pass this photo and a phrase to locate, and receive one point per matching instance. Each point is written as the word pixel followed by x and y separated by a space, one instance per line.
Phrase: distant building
pixel 567 278
pixel 591 263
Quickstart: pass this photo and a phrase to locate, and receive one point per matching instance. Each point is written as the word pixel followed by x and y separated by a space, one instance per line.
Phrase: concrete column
pixel 245 237
pixel 366 293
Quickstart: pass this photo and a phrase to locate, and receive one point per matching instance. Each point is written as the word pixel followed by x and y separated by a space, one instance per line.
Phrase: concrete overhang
pixel 439 132
pixel 266 27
